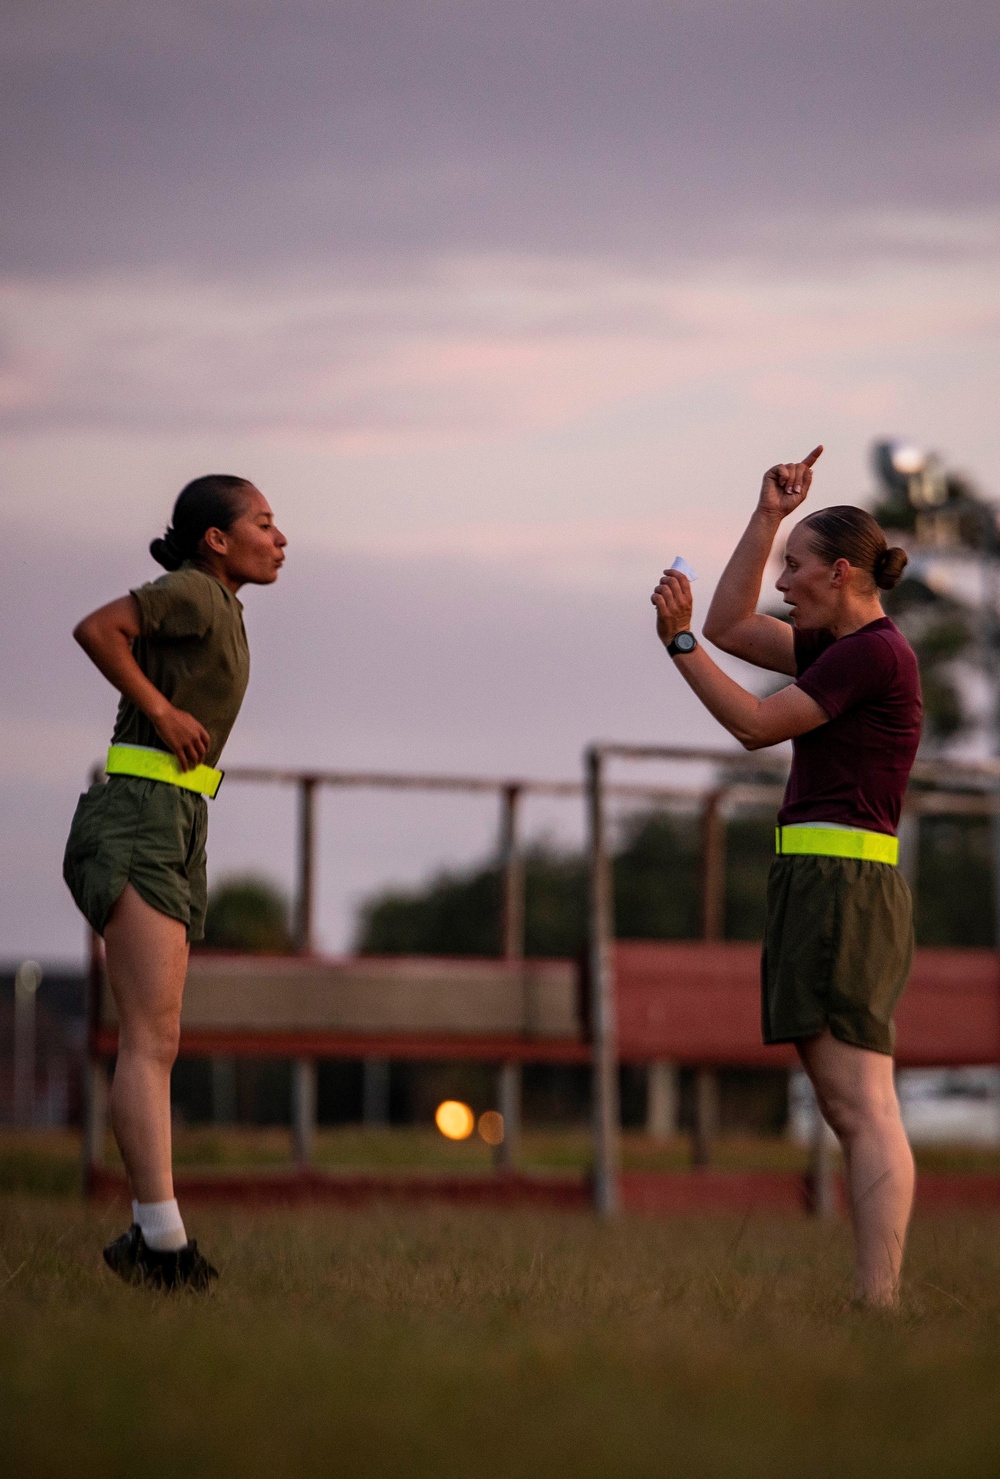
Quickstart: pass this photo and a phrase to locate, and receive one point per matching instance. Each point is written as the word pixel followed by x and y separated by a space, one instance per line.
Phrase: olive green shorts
pixel 146 833
pixel 837 950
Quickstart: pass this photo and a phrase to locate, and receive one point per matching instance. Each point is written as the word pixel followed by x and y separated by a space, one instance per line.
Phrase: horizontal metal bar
pixel 414 1046
pixel 962 771
pixel 983 775
pixel 397 781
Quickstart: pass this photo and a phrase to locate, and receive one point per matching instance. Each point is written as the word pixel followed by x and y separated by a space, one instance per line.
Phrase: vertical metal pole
pixel 909 847
pixel 509 1104
pixel 706 1116
pixel 303 1110
pixel 95 1080
pixel 375 1073
pixel 26 982
pixel 95 1124
pixel 713 919
pixel 661 1100
pixel 512 864
pixel 306 865
pixel 607 1128
pixel 223 1091
pixel 512 940
pixel 713 865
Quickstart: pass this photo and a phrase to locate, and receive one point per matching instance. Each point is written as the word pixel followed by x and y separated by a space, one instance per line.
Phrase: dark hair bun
pixel 889 566
pixel 166 551
pixel 212 502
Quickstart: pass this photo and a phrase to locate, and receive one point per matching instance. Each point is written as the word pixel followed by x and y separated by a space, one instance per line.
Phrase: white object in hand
pixel 681 565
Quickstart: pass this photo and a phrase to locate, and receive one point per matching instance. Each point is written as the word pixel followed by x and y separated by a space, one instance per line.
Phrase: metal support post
pixel 509 1104
pixel 95 1115
pixel 713 920
pixel 706 1116
pixel 95 1078
pixel 512 864
pixel 26 983
pixel 223 1091
pixel 607 1121
pixel 661 1100
pixel 909 847
pixel 303 1110
pixel 512 942
pixel 375 1091
pixel 306 865
pixel 713 868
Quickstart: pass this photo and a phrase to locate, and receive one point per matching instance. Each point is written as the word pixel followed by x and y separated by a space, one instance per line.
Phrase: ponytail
pixel 212 502
pixel 851 534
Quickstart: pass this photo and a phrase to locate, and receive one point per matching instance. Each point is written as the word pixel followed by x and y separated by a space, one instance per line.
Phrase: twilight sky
pixel 502 305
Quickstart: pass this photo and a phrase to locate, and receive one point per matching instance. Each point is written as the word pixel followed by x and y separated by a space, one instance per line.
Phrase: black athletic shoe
pixel 184 1268
pixel 121 1256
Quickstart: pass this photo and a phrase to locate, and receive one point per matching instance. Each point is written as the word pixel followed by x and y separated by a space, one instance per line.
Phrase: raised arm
pixel 106 636
pixel 755 722
pixel 733 622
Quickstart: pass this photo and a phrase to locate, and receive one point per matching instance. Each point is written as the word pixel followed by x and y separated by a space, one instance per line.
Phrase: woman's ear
pixel 215 540
pixel 841 569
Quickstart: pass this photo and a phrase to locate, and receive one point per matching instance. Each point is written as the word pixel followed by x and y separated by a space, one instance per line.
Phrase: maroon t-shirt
pixel 854 770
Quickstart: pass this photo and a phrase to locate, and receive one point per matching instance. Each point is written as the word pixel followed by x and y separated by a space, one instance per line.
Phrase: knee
pixel 850 1113
pixel 157 1039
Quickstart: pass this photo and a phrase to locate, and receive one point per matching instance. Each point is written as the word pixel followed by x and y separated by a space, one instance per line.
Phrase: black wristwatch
pixel 683 643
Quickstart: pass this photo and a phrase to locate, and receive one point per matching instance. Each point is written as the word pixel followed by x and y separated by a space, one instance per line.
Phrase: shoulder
pixel 181 602
pixel 882 642
pixel 188 582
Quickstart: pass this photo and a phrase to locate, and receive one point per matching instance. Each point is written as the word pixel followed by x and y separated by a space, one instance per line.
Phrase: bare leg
pixel 857 1095
pixel 147 956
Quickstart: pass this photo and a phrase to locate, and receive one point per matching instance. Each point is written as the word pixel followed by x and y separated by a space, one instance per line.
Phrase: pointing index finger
pixel 814 456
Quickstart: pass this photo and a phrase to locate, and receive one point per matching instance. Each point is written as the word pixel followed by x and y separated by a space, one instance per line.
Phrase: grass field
pixel 422 1341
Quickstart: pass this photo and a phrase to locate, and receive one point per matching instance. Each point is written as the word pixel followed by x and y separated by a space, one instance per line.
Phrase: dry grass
pixel 424 1341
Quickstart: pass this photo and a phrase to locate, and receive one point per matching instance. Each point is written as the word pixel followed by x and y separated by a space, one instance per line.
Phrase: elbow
pixel 723 639
pixel 87 635
pixel 752 734
pixel 745 737
pixel 715 633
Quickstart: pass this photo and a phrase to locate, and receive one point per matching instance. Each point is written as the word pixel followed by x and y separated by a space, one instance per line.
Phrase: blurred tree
pixel 248 913
pixel 459 913
pixel 944 603
pixel 657 895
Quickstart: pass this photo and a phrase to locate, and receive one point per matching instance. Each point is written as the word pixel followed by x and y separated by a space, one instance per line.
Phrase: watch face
pixel 685 642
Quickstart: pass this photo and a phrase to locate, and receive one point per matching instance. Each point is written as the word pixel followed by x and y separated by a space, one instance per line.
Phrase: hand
pixel 182 733
pixel 786 485
pixel 674 605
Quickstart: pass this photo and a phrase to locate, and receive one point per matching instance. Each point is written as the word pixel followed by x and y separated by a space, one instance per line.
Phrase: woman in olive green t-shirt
pixel 135 861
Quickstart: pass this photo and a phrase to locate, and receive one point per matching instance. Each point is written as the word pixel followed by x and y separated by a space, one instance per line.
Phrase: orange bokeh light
pixel 454 1119
pixel 491 1127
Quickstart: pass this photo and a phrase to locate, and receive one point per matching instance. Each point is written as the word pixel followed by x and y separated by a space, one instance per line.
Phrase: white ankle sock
pixel 161 1224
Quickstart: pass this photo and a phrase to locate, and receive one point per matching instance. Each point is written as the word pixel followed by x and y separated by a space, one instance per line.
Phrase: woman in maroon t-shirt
pixel 839 937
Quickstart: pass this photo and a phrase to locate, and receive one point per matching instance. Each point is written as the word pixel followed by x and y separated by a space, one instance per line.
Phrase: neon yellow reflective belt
pixel 160 765
pixel 837 842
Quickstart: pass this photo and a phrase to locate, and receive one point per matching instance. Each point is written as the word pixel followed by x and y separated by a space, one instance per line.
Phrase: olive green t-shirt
pixel 192 645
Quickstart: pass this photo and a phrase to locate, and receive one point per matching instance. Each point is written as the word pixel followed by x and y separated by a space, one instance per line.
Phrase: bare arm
pixel 755 722
pixel 733 621
pixel 106 636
